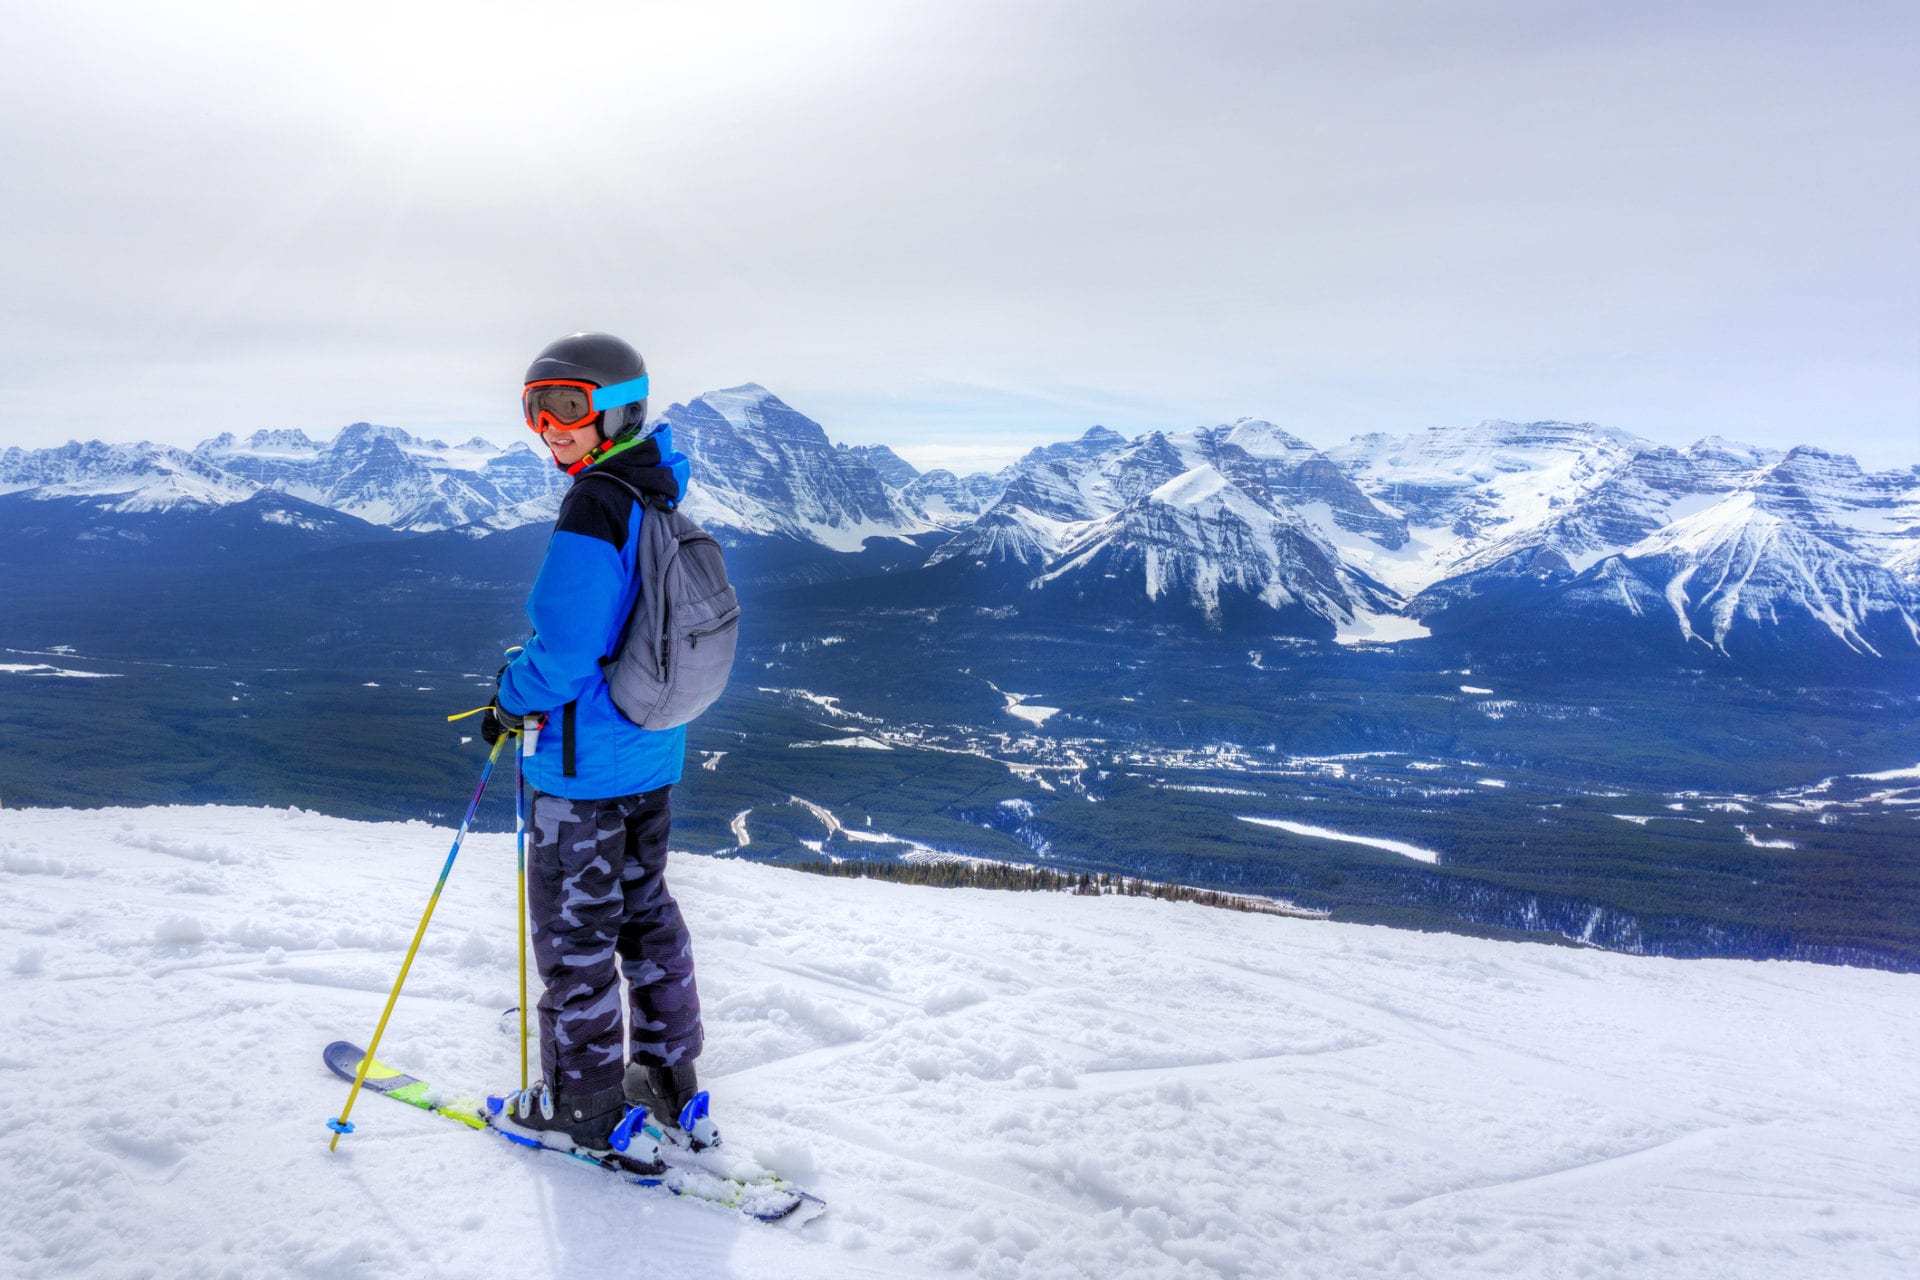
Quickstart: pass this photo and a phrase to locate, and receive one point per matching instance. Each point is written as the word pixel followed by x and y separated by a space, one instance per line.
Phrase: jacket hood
pixel 651 465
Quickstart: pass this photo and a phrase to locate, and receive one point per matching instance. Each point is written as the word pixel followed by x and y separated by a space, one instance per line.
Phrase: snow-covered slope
pixel 1464 489
pixel 1001 1085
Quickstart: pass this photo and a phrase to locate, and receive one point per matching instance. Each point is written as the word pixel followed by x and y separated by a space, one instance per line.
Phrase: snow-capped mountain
pixel 895 471
pixel 1307 479
pixel 1873 515
pixel 1052 488
pixel 1476 528
pixel 1648 491
pixel 1738 564
pixel 1730 545
pixel 1461 490
pixel 381 475
pixel 1193 520
pixel 122 478
pixel 761 467
pixel 1734 578
pixel 1203 542
pixel 387 476
pixel 952 501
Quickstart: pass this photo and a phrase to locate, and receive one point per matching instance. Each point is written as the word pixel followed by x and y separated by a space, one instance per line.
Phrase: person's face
pixel 570 444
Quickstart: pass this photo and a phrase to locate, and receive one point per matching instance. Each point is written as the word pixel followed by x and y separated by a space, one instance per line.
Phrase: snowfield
pixel 979 1084
pixel 1400 847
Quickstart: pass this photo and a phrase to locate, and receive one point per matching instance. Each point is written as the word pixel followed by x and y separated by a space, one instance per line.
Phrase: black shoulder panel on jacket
pixel 596 511
pixel 599 509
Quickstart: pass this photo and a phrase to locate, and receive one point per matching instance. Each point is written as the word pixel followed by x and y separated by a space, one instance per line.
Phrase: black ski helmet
pixel 603 360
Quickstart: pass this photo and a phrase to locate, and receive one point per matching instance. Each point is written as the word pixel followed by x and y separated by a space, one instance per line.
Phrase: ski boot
pixel 677 1103
pixel 601 1126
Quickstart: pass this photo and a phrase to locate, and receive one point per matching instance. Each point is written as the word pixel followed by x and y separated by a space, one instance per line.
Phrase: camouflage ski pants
pixel 597 893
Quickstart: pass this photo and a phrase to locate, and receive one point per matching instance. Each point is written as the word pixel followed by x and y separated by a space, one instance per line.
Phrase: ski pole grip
pixel 530 727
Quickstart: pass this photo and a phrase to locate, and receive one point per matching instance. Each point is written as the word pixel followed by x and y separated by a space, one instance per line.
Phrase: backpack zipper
pixel 695 637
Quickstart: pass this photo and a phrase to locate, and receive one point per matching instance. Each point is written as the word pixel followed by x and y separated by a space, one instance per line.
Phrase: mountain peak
pixel 1551 428
pixel 744 394
pixel 1263 439
pixel 1720 444
pixel 1097 441
pixel 894 469
pixel 1804 452
pixel 363 434
pixel 739 405
pixel 278 438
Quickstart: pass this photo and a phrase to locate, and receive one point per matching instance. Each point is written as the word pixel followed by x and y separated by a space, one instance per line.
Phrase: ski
pixel 763 1197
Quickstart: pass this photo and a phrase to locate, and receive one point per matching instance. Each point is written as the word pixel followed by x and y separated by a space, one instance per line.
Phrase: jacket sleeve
pixel 574 609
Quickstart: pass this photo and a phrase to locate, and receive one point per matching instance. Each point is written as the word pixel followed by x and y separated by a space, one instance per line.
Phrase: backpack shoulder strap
pixel 655 501
pixel 649 603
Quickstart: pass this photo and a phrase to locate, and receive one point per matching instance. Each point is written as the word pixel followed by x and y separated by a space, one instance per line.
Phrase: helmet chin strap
pixel 620 439
pixel 592 455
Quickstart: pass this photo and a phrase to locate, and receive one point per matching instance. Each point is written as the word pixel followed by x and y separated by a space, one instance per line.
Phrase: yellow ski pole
pixel 339 1124
pixel 520 921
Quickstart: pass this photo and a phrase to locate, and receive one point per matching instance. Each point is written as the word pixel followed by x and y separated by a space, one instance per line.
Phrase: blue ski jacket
pixel 579 608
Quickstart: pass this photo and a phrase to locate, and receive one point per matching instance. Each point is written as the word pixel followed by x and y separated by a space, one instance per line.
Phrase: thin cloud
pixel 1678 220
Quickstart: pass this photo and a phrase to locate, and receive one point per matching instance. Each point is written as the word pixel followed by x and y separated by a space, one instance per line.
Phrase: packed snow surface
pixel 980 1084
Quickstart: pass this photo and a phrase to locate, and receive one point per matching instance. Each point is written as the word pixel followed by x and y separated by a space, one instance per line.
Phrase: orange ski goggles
pixel 567 403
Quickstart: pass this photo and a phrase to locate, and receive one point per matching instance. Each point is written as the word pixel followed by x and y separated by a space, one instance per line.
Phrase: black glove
pixel 497 722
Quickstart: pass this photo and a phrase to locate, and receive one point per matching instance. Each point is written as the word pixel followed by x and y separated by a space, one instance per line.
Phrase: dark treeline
pixel 956 874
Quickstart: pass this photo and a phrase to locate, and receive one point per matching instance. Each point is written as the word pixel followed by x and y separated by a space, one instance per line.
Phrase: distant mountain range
pixel 1569 533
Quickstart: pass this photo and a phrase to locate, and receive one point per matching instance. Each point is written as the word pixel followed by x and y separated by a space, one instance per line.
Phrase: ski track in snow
pixel 1001 1085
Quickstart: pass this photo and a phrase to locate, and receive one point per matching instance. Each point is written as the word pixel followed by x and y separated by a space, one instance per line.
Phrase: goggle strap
pixel 619 393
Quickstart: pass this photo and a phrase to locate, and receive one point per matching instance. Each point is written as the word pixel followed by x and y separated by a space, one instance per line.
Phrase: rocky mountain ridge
pixel 1239 525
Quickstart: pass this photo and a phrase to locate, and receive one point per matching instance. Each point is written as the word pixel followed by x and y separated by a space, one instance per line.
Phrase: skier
pixel 598 815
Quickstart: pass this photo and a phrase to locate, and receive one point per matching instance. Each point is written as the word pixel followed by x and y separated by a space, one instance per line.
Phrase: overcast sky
pixel 964 228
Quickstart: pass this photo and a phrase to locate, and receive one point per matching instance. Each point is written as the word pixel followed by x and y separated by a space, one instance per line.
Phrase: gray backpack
pixel 677 649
